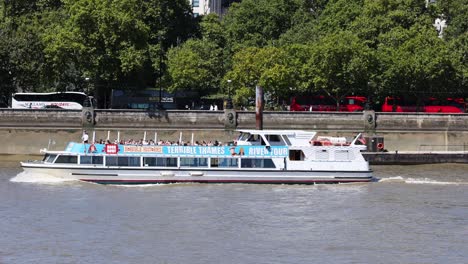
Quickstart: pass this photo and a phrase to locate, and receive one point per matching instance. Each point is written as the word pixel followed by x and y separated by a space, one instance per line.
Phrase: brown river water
pixel 410 214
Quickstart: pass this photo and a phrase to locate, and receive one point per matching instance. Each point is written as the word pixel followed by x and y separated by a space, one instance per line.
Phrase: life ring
pixel 380 146
pixel 111 148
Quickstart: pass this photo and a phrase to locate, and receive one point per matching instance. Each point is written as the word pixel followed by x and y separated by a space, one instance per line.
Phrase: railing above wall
pixel 206 120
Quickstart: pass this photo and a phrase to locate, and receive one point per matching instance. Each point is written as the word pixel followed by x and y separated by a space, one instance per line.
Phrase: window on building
pixel 195 3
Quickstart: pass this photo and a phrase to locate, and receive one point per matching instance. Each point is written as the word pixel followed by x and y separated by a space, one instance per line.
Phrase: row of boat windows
pixel 124 161
pixel 272 139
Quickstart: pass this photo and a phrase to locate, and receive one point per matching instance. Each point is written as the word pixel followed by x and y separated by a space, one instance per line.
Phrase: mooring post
pixel 87 114
pixel 259 102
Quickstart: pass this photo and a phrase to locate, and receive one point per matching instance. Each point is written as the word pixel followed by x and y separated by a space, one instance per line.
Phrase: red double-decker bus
pixel 428 105
pixel 326 103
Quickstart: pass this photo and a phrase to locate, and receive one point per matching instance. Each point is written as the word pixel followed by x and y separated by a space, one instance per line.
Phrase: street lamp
pixel 160 104
pixel 229 100
pixel 87 85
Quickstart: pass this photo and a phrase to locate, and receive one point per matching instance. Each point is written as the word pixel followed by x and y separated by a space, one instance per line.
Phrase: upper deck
pixel 275 137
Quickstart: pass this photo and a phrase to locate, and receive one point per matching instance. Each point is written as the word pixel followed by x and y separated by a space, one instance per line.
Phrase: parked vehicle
pixel 427 105
pixel 326 103
pixel 57 100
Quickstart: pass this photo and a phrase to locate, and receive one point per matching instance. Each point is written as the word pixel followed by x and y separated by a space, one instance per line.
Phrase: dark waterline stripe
pixel 307 182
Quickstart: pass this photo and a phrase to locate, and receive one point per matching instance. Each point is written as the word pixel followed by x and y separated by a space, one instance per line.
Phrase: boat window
pixel 253 138
pixel 67 159
pixel 274 138
pixel 243 136
pixel 99 160
pixel 342 155
pixel 111 161
pixel 91 160
pixel 159 162
pixel 296 154
pixel 286 139
pixel 194 162
pixel 123 161
pixel 129 161
pixel 49 158
pixel 257 163
pixel 224 162
pixel 322 154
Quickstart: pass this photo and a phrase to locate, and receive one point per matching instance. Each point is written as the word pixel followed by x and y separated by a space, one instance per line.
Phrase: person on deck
pixel 85 137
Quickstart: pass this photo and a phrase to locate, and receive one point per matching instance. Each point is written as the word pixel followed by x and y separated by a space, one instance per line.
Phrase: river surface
pixel 412 214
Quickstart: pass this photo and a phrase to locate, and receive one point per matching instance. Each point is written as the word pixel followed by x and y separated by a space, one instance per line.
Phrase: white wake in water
pixel 401 179
pixel 37 178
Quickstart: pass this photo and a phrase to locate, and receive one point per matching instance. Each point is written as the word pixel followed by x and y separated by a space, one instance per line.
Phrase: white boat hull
pixel 142 175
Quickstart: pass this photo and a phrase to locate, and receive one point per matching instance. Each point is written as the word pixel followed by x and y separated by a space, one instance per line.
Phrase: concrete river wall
pixel 27 131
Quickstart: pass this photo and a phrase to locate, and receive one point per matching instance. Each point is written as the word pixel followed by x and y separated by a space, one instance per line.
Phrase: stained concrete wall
pixel 26 131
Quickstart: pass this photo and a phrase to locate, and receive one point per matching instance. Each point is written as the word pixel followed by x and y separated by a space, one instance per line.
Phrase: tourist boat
pixel 257 156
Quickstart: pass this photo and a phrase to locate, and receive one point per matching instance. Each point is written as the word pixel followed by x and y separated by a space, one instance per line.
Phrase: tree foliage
pixel 257 23
pixel 269 67
pixel 339 47
pixel 196 65
pixel 340 64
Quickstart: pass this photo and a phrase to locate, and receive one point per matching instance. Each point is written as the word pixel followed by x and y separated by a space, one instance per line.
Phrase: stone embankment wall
pixel 26 131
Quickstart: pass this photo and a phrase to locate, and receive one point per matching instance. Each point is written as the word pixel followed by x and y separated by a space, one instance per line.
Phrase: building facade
pixel 204 7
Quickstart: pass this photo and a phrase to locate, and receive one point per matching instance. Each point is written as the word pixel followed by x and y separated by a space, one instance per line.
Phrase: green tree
pixel 257 23
pixel 340 64
pixel 458 48
pixel 213 30
pixel 456 13
pixel 304 23
pixel 416 62
pixel 338 15
pixel 199 64
pixel 269 67
pixel 19 8
pixel 379 17
pixel 196 65
pixel 105 38
pixel 115 42
pixel 22 24
pixel 6 78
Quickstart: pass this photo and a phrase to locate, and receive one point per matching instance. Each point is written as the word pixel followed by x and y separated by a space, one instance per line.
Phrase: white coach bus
pixel 56 100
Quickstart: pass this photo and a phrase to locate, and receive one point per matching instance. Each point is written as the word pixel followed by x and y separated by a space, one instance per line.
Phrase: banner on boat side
pixel 207 151
pixel 260 151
